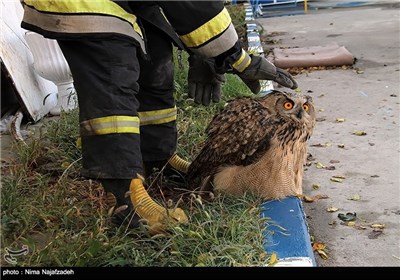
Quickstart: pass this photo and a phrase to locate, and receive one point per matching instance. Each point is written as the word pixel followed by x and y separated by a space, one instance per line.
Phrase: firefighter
pixel 121 61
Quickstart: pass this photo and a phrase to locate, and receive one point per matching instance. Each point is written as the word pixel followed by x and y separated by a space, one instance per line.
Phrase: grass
pixel 63 218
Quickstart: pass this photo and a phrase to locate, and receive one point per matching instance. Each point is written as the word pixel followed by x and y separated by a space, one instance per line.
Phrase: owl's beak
pixel 299 114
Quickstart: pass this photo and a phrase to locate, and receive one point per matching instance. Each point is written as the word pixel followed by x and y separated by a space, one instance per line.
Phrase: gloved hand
pixel 261 69
pixel 204 82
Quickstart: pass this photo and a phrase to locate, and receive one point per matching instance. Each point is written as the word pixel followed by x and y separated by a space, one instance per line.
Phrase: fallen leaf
pixel 332 209
pixel 371 144
pixel 320 249
pixel 319 165
pixel 273 259
pixel 320 119
pixel 307 198
pixel 322 254
pixel 318 246
pixel 313 198
pixel 375 233
pixel 337 180
pixel 339 176
pixel 319 145
pixel 320 196
pixel 316 186
pixel 321 110
pixel 310 157
pixel 355 197
pixel 334 161
pixel 359 227
pixel 332 223
pixel 340 120
pixel 351 223
pixel 65 164
pixel 374 176
pixel 330 167
pixel 359 71
pixel 381 226
pixel 348 216
pixel 359 133
pixel 340 146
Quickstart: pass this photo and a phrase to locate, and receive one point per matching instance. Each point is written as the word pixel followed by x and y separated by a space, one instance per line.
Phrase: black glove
pixel 261 69
pixel 204 82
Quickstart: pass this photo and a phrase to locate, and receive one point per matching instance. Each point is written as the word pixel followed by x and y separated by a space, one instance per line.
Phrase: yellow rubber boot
pixel 179 164
pixel 157 217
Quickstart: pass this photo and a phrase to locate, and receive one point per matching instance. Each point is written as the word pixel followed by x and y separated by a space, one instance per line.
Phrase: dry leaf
pixel 355 197
pixel 339 176
pixel 320 248
pixel 340 146
pixel 337 180
pixel 330 167
pixel 332 209
pixel 359 132
pixel 273 259
pixel 380 226
pixel 322 254
pixel 340 119
pixel 319 145
pixel 359 227
pixel 65 164
pixel 315 186
pixel 332 223
pixel 307 198
pixel 319 165
pixel 321 110
pixel 313 198
pixel 334 161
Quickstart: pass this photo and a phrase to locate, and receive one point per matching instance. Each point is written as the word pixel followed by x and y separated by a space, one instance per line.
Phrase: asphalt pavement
pixel 364 98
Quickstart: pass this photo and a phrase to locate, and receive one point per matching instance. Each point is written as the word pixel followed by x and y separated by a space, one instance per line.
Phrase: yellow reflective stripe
pixel 105 7
pixel 109 125
pixel 219 45
pixel 157 116
pixel 243 62
pixel 208 30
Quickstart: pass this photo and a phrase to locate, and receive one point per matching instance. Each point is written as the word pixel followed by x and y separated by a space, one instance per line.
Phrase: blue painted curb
pixel 286 233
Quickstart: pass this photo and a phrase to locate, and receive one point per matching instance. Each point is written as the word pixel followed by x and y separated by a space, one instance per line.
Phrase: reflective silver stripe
pixel 110 125
pixel 81 24
pixel 157 116
pixel 243 62
pixel 219 45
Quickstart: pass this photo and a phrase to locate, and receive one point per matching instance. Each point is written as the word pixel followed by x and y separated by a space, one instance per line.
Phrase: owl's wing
pixel 238 135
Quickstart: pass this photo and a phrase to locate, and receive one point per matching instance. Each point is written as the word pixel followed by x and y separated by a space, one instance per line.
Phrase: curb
pixel 287 232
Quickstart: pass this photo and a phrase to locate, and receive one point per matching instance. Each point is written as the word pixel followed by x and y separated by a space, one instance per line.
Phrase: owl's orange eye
pixel 306 107
pixel 288 105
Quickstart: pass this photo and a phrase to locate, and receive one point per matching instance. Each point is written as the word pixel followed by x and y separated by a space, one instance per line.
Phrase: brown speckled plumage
pixel 255 144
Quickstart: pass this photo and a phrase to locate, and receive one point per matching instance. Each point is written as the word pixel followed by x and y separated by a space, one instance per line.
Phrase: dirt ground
pixel 367 98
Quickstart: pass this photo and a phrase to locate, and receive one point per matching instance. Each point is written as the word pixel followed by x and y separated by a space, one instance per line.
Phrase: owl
pixel 256 145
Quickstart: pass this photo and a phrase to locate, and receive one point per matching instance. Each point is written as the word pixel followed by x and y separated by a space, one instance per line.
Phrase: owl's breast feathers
pixel 239 135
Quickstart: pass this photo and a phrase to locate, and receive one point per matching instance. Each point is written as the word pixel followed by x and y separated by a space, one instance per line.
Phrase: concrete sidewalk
pixel 367 98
